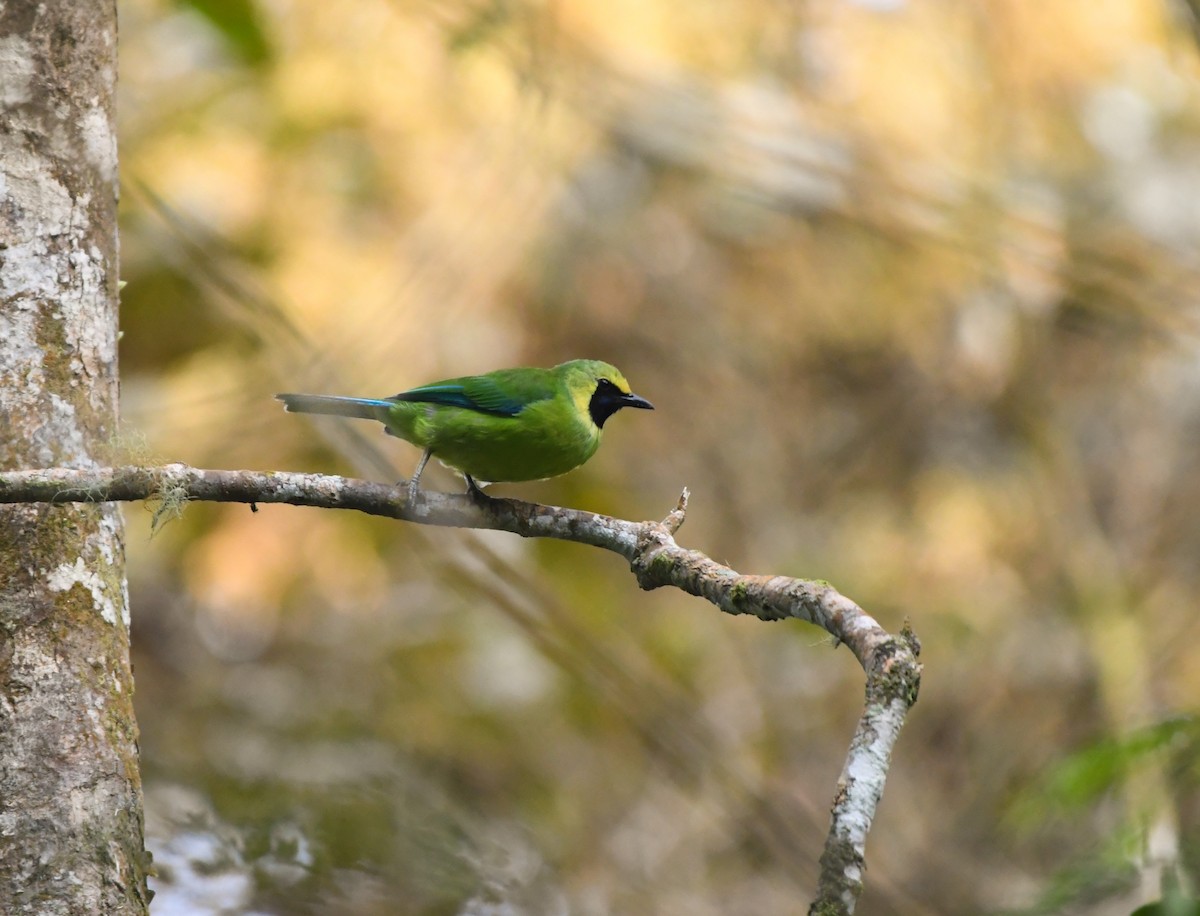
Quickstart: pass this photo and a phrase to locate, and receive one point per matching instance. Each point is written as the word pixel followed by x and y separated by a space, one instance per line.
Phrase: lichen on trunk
pixel 71 811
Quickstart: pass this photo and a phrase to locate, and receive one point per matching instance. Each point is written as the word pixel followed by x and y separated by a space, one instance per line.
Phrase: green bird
pixel 507 425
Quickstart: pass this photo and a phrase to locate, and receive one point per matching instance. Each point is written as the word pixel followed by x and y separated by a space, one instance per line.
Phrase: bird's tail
pixel 363 408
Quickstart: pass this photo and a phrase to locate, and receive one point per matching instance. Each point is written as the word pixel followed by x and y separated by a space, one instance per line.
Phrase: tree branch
pixel 890 662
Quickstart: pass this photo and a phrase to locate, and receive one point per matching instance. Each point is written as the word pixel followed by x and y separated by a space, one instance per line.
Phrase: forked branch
pixel 890 661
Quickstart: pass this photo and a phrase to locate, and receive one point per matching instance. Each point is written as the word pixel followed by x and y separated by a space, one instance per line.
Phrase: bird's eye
pixel 605 383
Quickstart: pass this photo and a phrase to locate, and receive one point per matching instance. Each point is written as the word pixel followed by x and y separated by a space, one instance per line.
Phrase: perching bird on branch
pixel 507 425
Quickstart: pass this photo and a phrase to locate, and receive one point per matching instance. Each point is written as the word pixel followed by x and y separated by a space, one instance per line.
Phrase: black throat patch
pixel 606 400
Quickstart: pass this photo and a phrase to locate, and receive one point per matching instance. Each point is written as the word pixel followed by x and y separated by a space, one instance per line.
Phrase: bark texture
pixel 70 792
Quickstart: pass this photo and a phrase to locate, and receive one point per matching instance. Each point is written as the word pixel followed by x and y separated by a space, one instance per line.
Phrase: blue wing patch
pixel 479 394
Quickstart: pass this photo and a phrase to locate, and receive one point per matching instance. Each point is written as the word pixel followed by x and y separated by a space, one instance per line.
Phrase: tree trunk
pixel 70 792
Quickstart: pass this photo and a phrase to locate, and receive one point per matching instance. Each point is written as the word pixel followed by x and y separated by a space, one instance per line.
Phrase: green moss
pixel 662 566
pixel 829 907
pixel 56 350
pixel 739 597
pixel 901 679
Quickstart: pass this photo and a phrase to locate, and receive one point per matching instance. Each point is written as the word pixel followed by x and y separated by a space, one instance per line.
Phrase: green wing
pixel 500 394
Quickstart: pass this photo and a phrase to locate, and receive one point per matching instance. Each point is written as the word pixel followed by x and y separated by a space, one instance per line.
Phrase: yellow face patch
pixel 581 398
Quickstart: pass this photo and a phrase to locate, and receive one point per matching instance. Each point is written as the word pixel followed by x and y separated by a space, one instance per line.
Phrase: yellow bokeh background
pixel 912 286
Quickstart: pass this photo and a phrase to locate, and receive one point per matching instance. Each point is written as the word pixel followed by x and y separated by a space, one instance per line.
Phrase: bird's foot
pixel 414 484
pixel 476 492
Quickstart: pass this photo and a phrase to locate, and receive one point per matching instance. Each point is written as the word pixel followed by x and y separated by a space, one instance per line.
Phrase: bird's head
pixel 599 388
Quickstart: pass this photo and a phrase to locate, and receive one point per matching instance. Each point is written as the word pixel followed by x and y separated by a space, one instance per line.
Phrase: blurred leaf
pixel 1169 906
pixel 480 25
pixel 1080 778
pixel 239 24
pixel 1101 874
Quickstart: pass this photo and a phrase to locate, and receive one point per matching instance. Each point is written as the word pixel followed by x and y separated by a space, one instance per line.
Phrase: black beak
pixel 632 400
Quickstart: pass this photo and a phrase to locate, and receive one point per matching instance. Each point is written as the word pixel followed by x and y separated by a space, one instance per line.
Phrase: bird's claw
pixel 475 492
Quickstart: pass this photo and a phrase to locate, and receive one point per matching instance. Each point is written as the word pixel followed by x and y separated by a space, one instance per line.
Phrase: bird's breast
pixel 543 440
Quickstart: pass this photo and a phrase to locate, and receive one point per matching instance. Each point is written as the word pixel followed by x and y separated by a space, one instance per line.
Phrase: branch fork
pixel 656 560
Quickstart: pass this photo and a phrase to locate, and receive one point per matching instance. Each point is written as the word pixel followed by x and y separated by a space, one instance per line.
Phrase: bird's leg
pixel 475 491
pixel 414 484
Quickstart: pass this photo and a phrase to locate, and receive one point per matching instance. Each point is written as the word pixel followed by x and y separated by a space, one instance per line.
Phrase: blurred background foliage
pixel 913 285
